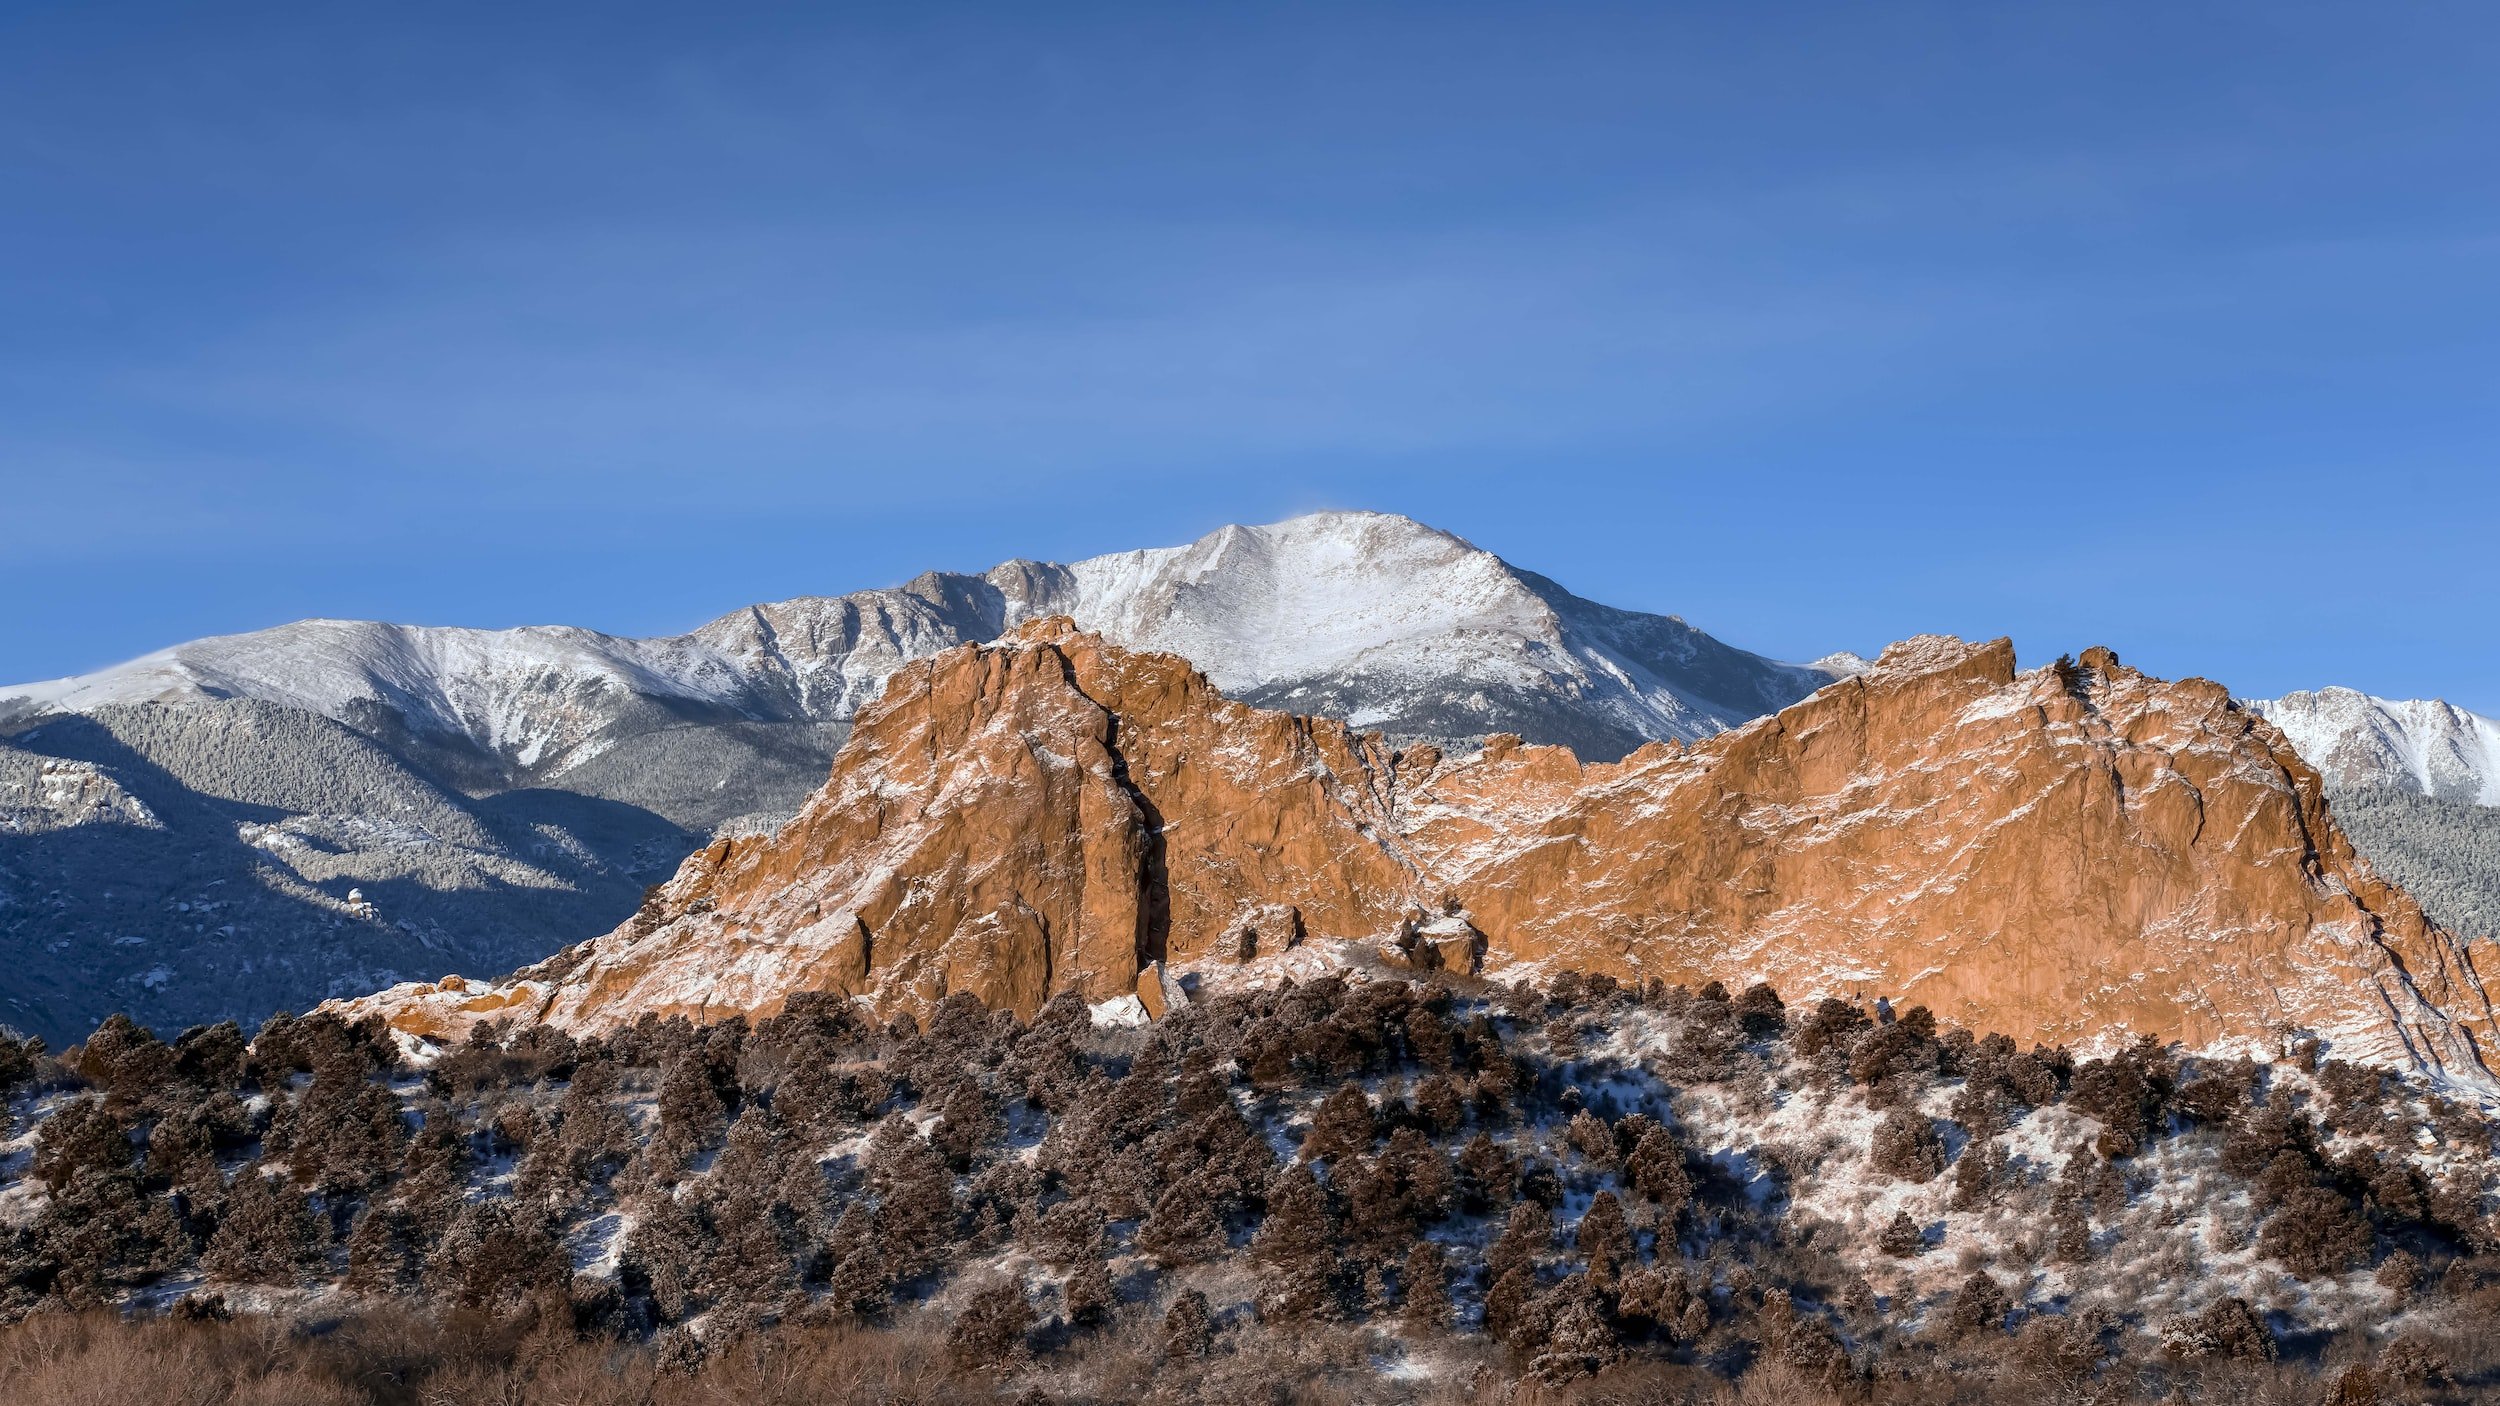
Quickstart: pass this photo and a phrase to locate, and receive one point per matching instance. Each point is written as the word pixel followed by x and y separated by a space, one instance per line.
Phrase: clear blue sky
pixel 2175 327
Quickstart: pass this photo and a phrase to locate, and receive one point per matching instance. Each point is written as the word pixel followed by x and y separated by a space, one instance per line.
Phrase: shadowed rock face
pixel 2071 853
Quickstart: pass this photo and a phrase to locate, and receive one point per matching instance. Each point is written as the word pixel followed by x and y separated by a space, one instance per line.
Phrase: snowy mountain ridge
pixel 2424 747
pixel 1376 617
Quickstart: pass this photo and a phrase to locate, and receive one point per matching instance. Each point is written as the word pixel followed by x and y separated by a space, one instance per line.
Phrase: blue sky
pixel 2170 327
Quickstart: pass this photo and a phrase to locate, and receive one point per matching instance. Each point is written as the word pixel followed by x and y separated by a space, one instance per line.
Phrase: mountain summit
pixel 2422 746
pixel 1371 617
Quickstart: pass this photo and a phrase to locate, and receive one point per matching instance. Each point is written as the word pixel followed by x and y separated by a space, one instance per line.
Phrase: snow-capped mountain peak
pixel 1254 605
pixel 1370 616
pixel 2424 746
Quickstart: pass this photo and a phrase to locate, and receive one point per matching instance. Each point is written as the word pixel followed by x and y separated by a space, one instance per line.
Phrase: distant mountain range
pixel 178 835
pixel 2416 782
pixel 2422 747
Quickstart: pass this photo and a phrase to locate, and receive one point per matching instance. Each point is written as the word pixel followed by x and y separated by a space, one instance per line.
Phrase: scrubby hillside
pixel 1380 1188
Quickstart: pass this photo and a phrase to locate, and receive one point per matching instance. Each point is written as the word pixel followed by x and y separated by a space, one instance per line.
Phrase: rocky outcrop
pixel 1046 814
pixel 2057 854
pixel 2073 853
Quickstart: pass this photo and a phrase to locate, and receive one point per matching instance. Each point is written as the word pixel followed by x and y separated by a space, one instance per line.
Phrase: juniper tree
pixel 2401 1272
pixel 1976 1173
pixel 2315 1233
pixel 2115 1094
pixel 210 1057
pixel 347 1130
pixel 1494 1087
pixel 2411 1360
pixel 2395 1190
pixel 1830 1032
pixel 1182 1228
pixel 428 1194
pixel 1088 1297
pixel 862 1280
pixel 1125 1182
pixel 1425 1177
pixel 496 1255
pixel 1188 1325
pixel 1578 1341
pixel 183 1146
pixel 1440 1104
pixel 593 1134
pixel 1760 1011
pixel 1979 1306
pixel 1540 1182
pixel 1905 1145
pixel 1527 1236
pixel 2071 1234
pixel 1902 1239
pixel 1199 1090
pixel 914 1195
pixel 1487 1177
pixel 1379 1220
pixel 1428 1035
pixel 1342 1127
pixel 125 1060
pixel 667 1253
pixel 966 1124
pixel 1653 1299
pixel 103 1231
pixel 384 1255
pixel 989 1333
pixel 692 1116
pixel 1604 1240
pixel 79 1136
pixel 1069 1233
pixel 17 1063
pixel 2225 1330
pixel 1896 1060
pixel 1514 1311
pixel 1589 1136
pixel 1295 1248
pixel 757 1267
pixel 1424 1279
pixel 1980 1106
pixel 267 1235
pixel 1656 1170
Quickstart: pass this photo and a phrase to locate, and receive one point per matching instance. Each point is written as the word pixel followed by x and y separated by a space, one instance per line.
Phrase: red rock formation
pixel 2070 853
pixel 1011 820
pixel 2055 854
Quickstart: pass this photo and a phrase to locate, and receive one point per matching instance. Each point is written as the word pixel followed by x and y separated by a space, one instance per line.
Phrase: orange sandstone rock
pixel 2072 853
